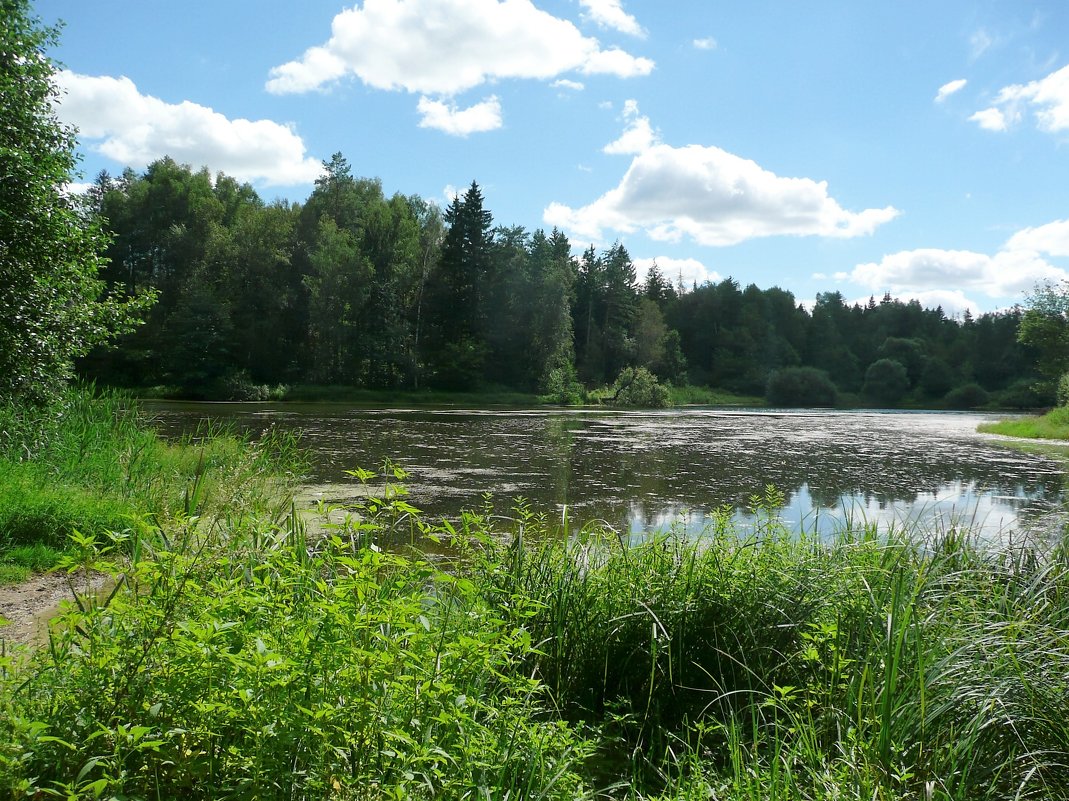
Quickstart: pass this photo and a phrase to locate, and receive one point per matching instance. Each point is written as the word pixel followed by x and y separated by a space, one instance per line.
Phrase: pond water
pixel 646 470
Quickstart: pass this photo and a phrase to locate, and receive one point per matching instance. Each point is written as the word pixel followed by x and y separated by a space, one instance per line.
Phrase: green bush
pixel 970 396
pixel 638 387
pixel 800 386
pixel 1024 394
pixel 1063 390
pixel 886 381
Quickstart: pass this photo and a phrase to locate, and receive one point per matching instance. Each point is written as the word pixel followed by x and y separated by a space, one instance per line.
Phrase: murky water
pixel 645 470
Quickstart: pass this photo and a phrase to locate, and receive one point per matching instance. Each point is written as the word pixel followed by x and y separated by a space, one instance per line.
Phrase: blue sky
pixel 917 148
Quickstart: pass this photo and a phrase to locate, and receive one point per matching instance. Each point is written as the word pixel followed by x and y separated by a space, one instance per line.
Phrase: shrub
pixel 969 396
pixel 1024 394
pixel 561 386
pixel 886 381
pixel 1063 390
pixel 800 386
pixel 637 386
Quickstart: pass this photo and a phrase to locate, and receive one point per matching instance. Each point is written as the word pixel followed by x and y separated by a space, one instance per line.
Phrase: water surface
pixel 645 470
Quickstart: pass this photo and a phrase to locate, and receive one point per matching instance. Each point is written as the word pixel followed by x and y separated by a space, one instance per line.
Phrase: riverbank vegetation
pixel 91 466
pixel 1052 425
pixel 354 287
pixel 238 659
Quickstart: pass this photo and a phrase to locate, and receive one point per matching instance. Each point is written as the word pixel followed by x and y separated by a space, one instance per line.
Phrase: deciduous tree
pixel 50 243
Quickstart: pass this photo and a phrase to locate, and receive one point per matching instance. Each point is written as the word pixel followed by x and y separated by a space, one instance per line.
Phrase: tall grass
pixel 242 661
pixel 92 465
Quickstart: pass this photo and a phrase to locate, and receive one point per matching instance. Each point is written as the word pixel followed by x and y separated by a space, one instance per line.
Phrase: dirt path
pixel 27 607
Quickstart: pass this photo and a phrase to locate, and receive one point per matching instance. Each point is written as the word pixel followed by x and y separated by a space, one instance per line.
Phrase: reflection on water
pixel 646 470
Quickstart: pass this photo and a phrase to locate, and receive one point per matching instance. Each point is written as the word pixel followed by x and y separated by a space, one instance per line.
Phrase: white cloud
pixel 444 47
pixel 1006 274
pixel 708 43
pixel 610 14
pixel 1048 98
pixel 1052 239
pixel 564 83
pixel 115 119
pixel 689 271
pixel 615 61
pixel 947 89
pixel 990 119
pixel 74 189
pixel 714 198
pixel 446 117
pixel 637 137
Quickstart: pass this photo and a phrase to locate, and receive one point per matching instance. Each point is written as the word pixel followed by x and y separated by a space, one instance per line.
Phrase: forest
pixel 353 288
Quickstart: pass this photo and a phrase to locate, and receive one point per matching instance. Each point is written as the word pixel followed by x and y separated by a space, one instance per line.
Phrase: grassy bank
pixel 241 661
pixel 89 464
pixel 1052 425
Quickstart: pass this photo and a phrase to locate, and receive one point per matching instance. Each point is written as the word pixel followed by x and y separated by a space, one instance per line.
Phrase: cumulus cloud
pixel 947 89
pixel 444 47
pixel 687 271
pixel 637 137
pixel 990 119
pixel 1052 239
pixel 1007 274
pixel 446 117
pixel 610 14
pixel 134 129
pixel 708 43
pixel 1047 98
pixel 713 198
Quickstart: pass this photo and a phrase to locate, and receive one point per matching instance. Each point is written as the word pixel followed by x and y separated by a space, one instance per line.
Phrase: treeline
pixel 358 289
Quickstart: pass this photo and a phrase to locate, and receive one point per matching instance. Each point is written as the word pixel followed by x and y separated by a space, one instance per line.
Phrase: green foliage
pixel 237 659
pixel 638 387
pixel 361 290
pixel 800 386
pixel 886 381
pixel 937 378
pixel 562 387
pixel 1024 394
pixel 970 396
pixel 1063 390
pixel 1045 328
pixel 52 311
pixel 254 668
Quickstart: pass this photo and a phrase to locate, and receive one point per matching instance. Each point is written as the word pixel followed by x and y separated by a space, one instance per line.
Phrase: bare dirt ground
pixel 27 607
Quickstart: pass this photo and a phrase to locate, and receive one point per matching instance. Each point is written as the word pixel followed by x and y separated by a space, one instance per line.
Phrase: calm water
pixel 646 470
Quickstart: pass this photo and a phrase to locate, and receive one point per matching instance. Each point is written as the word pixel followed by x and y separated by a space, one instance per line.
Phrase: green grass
pixel 706 396
pixel 90 465
pixel 235 659
pixel 1052 425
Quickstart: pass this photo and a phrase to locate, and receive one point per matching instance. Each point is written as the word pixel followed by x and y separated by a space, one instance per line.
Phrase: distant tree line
pixel 355 288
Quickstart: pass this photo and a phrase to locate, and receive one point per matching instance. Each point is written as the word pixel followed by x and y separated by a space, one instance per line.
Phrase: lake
pixel 642 471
